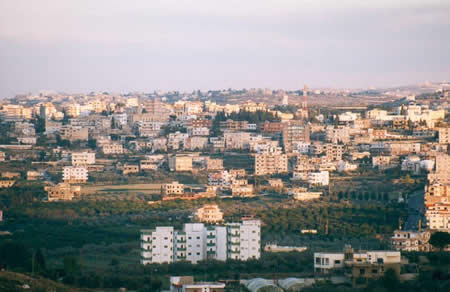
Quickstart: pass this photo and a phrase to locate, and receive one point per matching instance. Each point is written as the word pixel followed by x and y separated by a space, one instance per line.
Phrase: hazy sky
pixel 84 45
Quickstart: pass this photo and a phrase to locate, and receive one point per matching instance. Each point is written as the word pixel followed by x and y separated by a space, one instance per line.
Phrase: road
pixel 416 210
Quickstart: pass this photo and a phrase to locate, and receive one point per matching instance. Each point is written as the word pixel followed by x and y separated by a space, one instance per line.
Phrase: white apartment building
pixel 157 245
pixel 325 262
pixel 82 158
pixel 197 242
pixel 75 174
pixel 319 178
pixel 338 134
pixel 120 119
pixel 198 131
pixel 244 240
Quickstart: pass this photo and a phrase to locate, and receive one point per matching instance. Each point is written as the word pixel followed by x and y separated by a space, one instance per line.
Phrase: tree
pixel 14 255
pixel 39 265
pixel 71 265
pixel 440 240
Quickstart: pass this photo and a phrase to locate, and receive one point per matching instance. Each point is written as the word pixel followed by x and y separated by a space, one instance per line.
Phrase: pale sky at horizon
pixel 136 45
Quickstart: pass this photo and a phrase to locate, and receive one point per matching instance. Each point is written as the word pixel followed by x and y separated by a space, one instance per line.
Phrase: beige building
pixel 174 188
pixel 112 148
pixel 6 183
pixel 411 240
pixel 73 133
pixel 82 158
pixel 214 164
pixel 62 192
pixel 444 135
pixel 180 163
pixel 209 213
pixel 130 168
pixel 299 194
pixel 271 163
pixel 382 162
pixel 242 190
pixel 2 156
pixel 295 131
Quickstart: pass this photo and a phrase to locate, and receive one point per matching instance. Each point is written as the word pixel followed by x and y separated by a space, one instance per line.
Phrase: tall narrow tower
pixel 305 102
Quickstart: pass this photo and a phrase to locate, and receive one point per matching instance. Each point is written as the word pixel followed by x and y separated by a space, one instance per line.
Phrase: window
pixel 318 261
pixel 380 261
pixel 337 262
pixel 362 271
pixel 374 271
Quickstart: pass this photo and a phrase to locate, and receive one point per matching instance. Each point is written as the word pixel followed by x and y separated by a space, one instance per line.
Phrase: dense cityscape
pixel 224 146
pixel 272 192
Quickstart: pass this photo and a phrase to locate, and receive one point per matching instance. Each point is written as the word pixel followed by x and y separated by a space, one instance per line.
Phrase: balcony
pixel 212 236
pixel 181 249
pixel 181 240
pixel 235 243
pixel 211 244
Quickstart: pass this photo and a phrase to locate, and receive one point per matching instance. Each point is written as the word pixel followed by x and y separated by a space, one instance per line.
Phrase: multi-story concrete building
pixel 197 242
pixel 180 163
pixel 75 174
pixel 321 178
pixel 82 158
pixel 198 131
pixel 411 240
pixel 130 168
pixel 157 246
pixel 214 164
pixel 444 135
pixel 73 133
pixel 244 240
pixel 112 148
pixel 172 189
pixel 237 140
pixel 295 131
pixel 363 265
pixel 209 213
pixel 62 192
pixel 336 134
pixel 271 163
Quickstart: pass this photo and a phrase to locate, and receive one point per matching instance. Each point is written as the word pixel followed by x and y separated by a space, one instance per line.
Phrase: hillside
pixel 10 281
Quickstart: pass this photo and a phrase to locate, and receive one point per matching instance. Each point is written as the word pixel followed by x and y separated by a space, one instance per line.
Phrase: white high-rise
pixel 157 245
pixel 244 240
pixel 197 242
